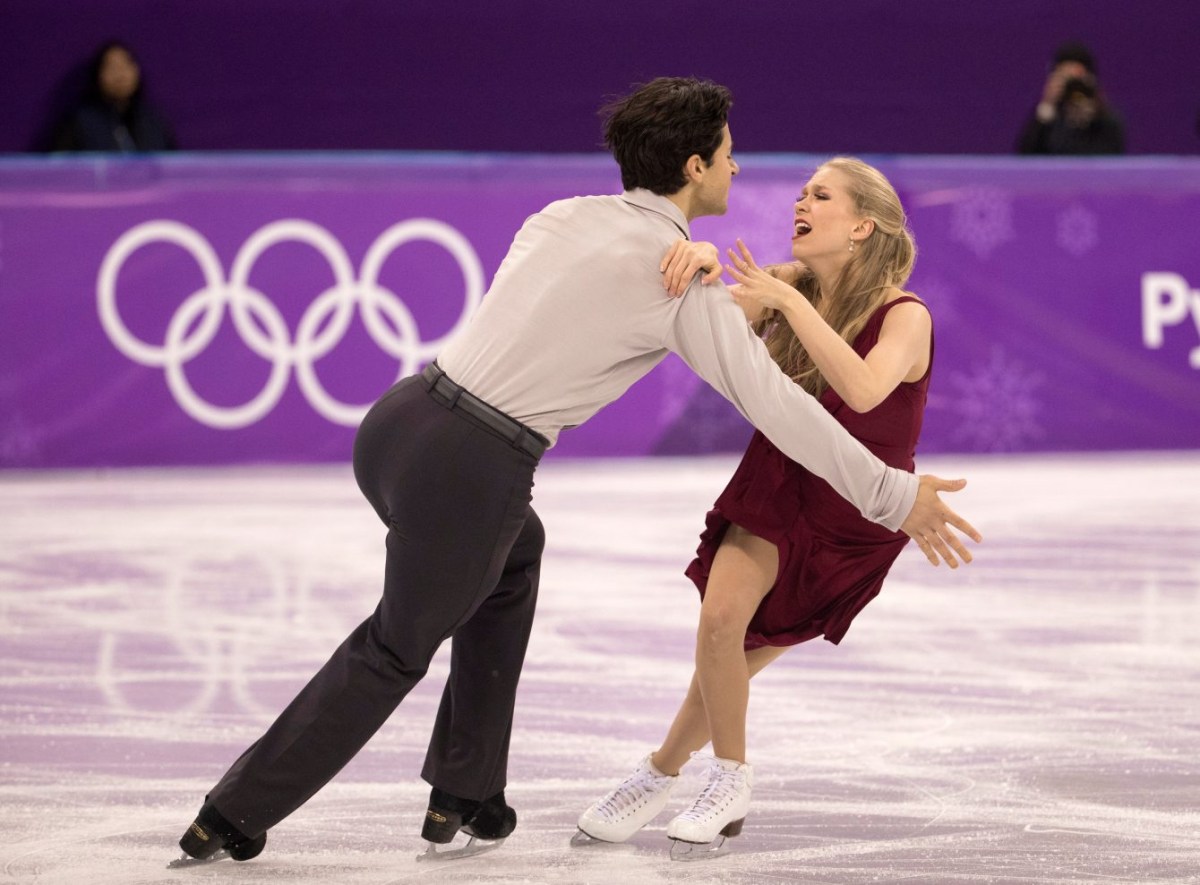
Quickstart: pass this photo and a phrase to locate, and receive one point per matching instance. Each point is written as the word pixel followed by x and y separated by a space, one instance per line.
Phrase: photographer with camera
pixel 1073 117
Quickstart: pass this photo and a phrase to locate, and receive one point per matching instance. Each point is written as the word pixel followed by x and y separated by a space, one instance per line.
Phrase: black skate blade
pixel 694 851
pixel 436 853
pixel 188 861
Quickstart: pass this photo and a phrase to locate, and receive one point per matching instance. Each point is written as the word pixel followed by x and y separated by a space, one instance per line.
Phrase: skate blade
pixel 440 853
pixel 188 861
pixel 583 840
pixel 693 851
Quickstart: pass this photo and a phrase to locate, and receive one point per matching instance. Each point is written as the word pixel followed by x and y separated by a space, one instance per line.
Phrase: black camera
pixel 1078 86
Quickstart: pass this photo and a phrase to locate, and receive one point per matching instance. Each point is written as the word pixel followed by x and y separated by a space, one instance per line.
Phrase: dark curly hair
pixel 652 131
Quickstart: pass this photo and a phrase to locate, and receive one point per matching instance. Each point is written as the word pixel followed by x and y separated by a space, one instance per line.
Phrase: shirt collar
pixel 646 199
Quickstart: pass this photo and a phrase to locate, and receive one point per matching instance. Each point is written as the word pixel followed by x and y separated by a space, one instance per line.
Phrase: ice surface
pixel 1031 718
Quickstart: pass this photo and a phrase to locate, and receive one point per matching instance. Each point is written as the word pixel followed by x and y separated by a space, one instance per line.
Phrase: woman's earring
pixel 852 244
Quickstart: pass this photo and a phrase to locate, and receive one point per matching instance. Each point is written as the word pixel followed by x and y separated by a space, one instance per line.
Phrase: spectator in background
pixel 1073 116
pixel 113 114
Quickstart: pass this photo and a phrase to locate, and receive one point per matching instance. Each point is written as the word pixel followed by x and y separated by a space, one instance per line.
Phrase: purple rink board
pixel 247 308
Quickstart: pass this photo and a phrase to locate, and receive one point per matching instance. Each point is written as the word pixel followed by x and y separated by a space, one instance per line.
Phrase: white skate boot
pixel 628 808
pixel 718 812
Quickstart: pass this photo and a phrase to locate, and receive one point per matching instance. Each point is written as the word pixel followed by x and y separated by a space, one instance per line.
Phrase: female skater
pixel 783 558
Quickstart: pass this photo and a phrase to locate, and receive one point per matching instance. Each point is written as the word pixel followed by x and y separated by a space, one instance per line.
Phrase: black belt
pixel 453 396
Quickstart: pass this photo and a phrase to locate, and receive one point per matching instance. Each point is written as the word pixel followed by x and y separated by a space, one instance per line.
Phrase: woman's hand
pixel 757 288
pixel 682 262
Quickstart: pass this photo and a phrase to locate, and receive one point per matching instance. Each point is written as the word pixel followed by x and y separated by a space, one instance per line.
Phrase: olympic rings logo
pixel 320 329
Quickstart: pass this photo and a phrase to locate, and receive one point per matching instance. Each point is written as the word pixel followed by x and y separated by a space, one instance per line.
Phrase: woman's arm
pixel 902 352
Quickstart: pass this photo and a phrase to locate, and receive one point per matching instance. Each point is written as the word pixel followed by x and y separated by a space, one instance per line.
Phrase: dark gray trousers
pixel 464 550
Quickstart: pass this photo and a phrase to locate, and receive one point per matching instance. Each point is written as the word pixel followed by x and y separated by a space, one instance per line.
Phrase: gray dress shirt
pixel 577 313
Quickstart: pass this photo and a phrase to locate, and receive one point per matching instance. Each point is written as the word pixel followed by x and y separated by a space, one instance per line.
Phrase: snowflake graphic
pixel 1078 230
pixel 999 404
pixel 982 219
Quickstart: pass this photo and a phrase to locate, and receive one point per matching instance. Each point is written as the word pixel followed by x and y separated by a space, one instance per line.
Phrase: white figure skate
pixel 628 808
pixel 716 815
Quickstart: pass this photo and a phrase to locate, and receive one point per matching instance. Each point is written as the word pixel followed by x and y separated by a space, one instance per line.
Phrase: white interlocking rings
pixel 262 327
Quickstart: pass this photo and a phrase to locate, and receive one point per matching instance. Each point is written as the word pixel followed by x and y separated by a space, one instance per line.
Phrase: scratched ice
pixel 1032 718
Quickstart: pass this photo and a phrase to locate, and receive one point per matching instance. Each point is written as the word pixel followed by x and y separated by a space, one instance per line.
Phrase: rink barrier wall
pixel 214 309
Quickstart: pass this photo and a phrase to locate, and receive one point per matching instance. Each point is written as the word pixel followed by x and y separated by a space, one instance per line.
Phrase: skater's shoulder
pixel 637 215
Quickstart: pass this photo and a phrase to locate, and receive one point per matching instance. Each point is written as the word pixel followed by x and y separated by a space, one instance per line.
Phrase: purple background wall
pixel 929 76
pixel 1036 269
pixel 1066 298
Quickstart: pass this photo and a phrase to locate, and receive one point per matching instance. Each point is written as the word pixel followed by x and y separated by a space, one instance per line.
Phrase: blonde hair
pixel 882 261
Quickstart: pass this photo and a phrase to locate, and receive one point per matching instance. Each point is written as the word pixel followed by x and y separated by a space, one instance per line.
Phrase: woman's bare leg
pixel 743 572
pixel 689 732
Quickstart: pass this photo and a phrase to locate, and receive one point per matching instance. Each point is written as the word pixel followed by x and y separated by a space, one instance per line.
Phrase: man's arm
pixel 711 335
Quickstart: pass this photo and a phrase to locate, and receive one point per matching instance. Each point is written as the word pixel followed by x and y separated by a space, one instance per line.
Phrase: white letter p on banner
pixel 1165 299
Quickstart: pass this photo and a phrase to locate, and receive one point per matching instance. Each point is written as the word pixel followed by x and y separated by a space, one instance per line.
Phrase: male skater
pixel 576 314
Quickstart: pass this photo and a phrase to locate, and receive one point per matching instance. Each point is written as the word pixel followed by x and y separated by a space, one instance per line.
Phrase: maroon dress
pixel 832 562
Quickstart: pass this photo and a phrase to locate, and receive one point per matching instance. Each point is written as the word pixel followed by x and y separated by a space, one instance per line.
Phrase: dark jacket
pixel 98 126
pixel 1105 135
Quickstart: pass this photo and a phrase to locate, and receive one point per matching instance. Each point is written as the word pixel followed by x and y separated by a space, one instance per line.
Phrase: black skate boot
pixel 487 823
pixel 212 837
pixel 495 819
